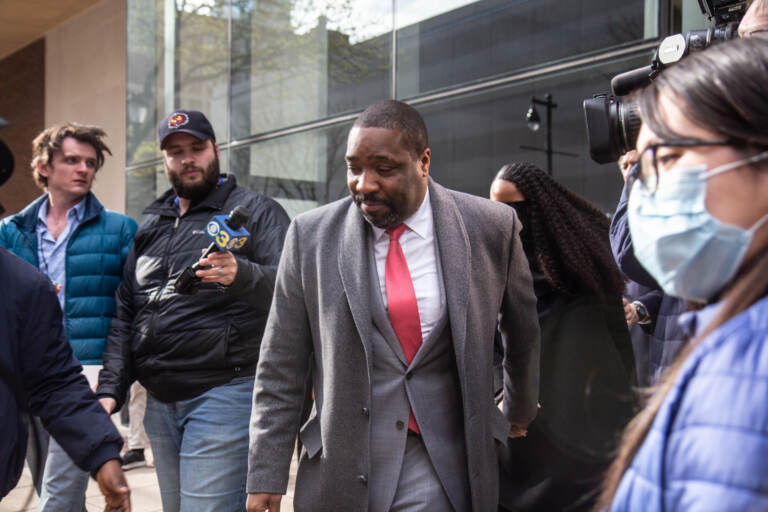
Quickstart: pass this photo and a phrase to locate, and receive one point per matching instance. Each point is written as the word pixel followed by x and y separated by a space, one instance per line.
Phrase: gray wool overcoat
pixel 321 321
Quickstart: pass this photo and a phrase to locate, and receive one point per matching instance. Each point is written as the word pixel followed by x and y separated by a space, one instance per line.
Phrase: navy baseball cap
pixel 192 122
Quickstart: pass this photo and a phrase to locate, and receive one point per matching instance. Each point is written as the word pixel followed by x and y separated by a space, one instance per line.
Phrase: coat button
pixel 363 479
pixel 366 412
pixel 400 425
pixel 237 368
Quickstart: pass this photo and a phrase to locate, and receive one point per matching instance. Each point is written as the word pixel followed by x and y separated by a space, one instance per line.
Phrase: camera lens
pixel 612 126
pixel 629 124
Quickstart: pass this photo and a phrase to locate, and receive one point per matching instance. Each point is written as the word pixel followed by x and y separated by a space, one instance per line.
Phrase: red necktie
pixel 401 301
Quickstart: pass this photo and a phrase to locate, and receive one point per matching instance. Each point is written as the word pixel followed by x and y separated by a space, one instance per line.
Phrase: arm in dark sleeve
pixel 117 372
pixel 519 328
pixel 621 245
pixel 652 302
pixel 57 392
pixel 279 389
pixel 255 279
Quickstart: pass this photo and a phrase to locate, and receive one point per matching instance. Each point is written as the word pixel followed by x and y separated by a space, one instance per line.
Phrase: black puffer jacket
pixel 179 345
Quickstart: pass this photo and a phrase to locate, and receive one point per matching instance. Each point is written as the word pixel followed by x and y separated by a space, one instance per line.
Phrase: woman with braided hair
pixel 587 364
pixel 565 234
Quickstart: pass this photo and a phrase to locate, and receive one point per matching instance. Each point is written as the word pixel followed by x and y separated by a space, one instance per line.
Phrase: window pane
pixel 200 38
pixel 295 61
pixel 144 79
pixel 177 58
pixel 143 185
pixel 437 49
pixel 473 136
pixel 300 171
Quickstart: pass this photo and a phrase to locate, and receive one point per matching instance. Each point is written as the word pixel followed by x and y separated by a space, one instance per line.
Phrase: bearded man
pixel 195 352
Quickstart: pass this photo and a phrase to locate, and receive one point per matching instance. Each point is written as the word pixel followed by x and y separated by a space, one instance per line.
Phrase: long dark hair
pixel 722 90
pixel 568 235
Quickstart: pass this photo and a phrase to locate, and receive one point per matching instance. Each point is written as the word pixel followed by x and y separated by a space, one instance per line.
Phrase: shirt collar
pixel 77 212
pixel 420 222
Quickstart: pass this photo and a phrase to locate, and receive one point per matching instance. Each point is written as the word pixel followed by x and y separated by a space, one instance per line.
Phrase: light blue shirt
pixel 52 253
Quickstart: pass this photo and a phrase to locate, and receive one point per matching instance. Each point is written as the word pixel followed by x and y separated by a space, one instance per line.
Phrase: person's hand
pixel 260 502
pixel 223 268
pixel 517 430
pixel 113 486
pixel 108 404
pixel 626 161
pixel 630 313
pixel 57 287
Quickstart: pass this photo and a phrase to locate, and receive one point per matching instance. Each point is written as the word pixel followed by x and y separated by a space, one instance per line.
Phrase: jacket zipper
pixel 156 305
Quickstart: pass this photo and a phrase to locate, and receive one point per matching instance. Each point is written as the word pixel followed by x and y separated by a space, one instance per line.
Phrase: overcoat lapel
pixel 453 245
pixel 354 271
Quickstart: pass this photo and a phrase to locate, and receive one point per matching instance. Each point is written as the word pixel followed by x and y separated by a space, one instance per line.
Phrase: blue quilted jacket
pixel 707 449
pixel 96 253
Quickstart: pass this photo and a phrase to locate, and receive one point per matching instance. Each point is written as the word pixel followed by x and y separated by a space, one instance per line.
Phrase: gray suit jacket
pixel 322 316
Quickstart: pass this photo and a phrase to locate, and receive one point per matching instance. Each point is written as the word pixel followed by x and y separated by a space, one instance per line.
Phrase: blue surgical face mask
pixel 690 253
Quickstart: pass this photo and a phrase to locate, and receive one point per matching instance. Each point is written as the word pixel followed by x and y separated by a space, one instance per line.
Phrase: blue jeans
pixel 200 446
pixel 64 483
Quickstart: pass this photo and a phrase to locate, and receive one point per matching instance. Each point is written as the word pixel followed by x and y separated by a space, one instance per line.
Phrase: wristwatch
pixel 642 312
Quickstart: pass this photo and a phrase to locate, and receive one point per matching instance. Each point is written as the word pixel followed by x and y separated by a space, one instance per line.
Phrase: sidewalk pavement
pixel 145 493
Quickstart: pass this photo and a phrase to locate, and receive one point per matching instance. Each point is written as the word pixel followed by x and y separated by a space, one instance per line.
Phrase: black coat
pixel 586 397
pixel 180 345
pixel 667 338
pixel 38 372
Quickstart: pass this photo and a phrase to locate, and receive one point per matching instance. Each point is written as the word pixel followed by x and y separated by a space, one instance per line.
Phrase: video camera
pixel 613 122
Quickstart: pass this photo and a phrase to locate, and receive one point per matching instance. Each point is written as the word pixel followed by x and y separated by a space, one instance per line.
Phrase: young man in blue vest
pixel 81 247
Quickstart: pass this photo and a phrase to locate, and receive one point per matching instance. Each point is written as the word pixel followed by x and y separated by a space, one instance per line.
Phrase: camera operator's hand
pixel 626 161
pixel 223 268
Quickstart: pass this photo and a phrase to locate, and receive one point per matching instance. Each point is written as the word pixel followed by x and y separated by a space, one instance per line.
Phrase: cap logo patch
pixel 178 120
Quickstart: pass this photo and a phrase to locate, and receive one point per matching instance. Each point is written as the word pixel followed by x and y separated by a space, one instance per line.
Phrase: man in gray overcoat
pixel 391 298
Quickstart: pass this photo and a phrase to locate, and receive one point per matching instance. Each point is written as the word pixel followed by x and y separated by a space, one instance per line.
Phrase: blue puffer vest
pixel 706 449
pixel 94 263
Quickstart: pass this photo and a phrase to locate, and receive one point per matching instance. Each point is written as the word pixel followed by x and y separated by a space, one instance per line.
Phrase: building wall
pixel 85 70
pixel 282 80
pixel 22 104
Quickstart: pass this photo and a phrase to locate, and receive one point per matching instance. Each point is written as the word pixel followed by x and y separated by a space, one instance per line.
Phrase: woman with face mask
pixel 587 364
pixel 698 215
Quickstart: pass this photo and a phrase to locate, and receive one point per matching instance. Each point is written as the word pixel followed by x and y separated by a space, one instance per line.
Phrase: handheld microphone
pixel 225 233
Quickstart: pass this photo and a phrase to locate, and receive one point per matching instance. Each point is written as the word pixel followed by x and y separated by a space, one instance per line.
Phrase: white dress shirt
pixel 420 250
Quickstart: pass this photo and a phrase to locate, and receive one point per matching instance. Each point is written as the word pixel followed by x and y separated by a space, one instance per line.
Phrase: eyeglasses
pixel 646 171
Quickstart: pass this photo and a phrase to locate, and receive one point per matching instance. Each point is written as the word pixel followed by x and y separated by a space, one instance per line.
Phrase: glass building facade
pixel 282 81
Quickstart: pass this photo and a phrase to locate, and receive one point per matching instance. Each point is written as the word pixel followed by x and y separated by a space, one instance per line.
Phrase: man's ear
pixel 42 169
pixel 424 161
